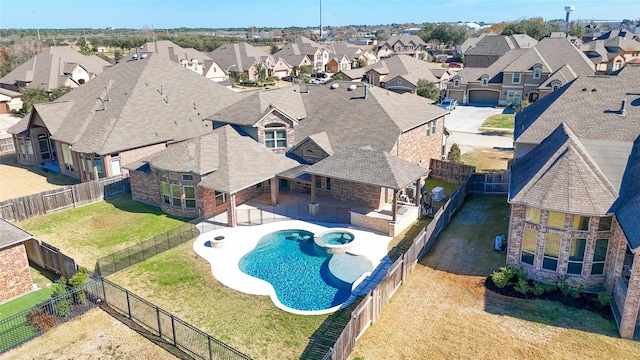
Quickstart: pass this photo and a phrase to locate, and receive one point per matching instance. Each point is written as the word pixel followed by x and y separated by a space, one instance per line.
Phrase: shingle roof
pixel 242 55
pixel 494 71
pixel 408 67
pixel 403 39
pixel 553 53
pixel 239 161
pixel 355 165
pixel 492 44
pixel 628 208
pixel 352 121
pixel 252 108
pixel 560 175
pixel 150 101
pixel 11 234
pixel 46 70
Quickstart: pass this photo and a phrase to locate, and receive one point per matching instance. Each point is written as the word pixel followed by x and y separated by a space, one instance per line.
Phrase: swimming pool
pixel 303 276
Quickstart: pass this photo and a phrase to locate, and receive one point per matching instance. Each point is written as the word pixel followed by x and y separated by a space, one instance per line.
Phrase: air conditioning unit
pixel 410 191
pixel 437 194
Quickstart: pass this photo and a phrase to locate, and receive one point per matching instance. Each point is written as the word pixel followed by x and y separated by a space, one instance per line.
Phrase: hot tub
pixel 336 241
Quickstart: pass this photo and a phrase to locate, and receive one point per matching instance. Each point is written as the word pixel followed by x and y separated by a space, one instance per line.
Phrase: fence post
pixel 129 255
pixel 115 267
pixel 53 310
pixel 159 322
pixel 173 330
pixel 210 349
pixel 104 291
pixel 128 303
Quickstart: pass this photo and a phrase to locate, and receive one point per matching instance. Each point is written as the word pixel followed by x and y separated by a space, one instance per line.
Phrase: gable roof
pixel 553 53
pixel 242 55
pixel 47 69
pixel 560 175
pixel 241 161
pixel 11 234
pixel 258 103
pixel 354 165
pixel 494 71
pixel 409 68
pixel 497 45
pixel 404 39
pixel 149 101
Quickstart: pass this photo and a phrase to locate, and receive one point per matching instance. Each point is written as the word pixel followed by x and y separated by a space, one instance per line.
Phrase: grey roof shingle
pixel 371 167
pixel 242 55
pixel 553 53
pixel 499 45
pixel 628 207
pixel 404 39
pixel 150 101
pixel 46 70
pixel 407 67
pixel 494 71
pixel 239 161
pixel 556 174
pixel 11 234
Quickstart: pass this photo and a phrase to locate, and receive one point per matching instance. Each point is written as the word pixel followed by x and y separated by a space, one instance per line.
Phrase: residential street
pixel 463 123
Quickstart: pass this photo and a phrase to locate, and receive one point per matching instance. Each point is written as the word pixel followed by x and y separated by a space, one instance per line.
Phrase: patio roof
pixel 297 173
pixel 370 167
pixel 11 234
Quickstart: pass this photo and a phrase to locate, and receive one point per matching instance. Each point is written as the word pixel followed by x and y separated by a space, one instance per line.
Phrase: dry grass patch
pixel 94 335
pixel 181 282
pixel 488 160
pixel 444 310
pixel 19 180
pixel 89 232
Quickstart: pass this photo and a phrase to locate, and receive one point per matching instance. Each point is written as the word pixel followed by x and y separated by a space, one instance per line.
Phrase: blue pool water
pixel 296 269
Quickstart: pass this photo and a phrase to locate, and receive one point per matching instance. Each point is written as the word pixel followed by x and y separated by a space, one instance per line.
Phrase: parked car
pixel 287 78
pixel 320 75
pixel 319 80
pixel 449 104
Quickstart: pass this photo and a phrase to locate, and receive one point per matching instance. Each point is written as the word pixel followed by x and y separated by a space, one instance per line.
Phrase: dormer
pixel 537 71
pixel 484 80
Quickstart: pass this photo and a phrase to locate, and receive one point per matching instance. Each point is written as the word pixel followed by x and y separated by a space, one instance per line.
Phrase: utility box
pixel 437 194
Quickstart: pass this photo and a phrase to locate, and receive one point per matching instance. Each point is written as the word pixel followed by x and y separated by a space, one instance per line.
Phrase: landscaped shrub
pixel 540 288
pixel 604 298
pixel 62 306
pixel 522 286
pixel 502 276
pixel 41 320
pixel 520 273
pixel 80 278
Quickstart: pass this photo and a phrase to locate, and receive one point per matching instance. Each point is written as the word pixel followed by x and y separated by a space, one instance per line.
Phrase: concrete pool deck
pixel 238 241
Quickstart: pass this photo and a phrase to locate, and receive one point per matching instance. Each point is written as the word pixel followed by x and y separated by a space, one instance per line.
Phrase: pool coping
pixel 240 240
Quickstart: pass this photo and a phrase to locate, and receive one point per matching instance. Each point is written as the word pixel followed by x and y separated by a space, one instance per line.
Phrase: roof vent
pixel 335 85
pixel 594 90
pixel 584 89
pixel 623 108
pixel 352 87
pixel 104 106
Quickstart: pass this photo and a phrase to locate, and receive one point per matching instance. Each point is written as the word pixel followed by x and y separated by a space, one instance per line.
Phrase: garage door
pixel 484 97
pixel 458 95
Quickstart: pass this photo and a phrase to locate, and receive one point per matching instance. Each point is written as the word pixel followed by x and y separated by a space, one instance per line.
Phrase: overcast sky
pixel 161 14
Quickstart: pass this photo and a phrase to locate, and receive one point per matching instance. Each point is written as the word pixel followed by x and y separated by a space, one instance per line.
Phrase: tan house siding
pixel 418 148
pixel 15 278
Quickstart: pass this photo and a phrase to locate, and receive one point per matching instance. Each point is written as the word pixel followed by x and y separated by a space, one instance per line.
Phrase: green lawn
pixel 24 302
pixel 89 232
pixel 501 121
pixel 181 282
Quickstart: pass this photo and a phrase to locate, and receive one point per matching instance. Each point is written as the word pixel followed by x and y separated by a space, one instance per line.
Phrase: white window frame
pixel 537 73
pixel 513 78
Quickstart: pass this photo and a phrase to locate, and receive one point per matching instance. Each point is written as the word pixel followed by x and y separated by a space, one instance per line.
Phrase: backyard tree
pixel 274 49
pixel 37 96
pixel 428 89
pixel 454 154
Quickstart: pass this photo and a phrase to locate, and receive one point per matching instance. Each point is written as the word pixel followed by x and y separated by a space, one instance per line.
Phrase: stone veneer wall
pixel 417 148
pixel 15 276
pixel 536 272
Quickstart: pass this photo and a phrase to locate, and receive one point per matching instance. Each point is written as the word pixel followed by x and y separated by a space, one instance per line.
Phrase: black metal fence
pixel 33 322
pixel 141 251
pixel 304 212
pixel 181 334
pixel 24 326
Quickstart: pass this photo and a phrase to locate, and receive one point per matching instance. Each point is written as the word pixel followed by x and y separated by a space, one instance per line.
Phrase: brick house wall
pixel 354 193
pixel 207 202
pixel 276 117
pixel 418 148
pixel 15 276
pixel 516 234
pixel 145 187
pixel 310 147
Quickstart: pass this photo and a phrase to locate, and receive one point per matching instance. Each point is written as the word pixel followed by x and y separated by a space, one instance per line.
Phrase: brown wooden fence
pixel 50 257
pixel 372 305
pixel 490 183
pixel 450 172
pixel 25 207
